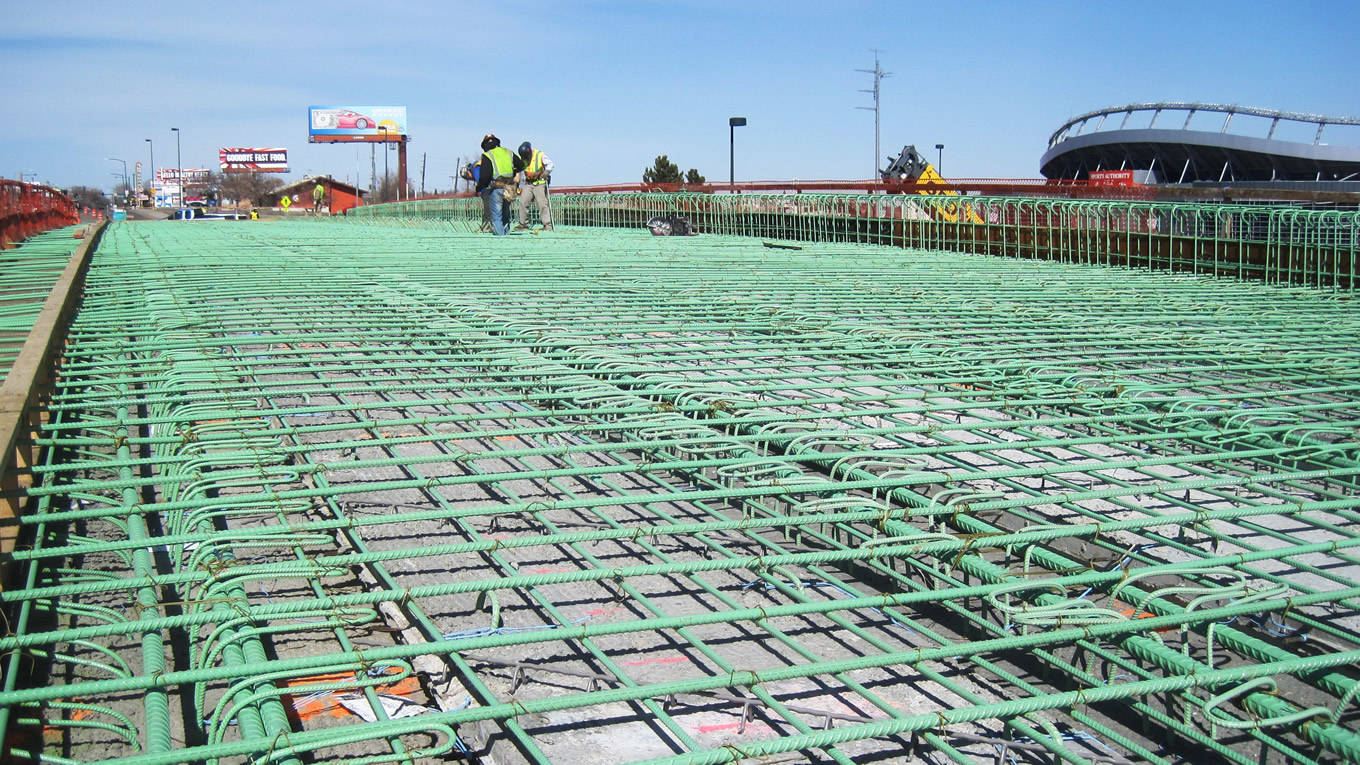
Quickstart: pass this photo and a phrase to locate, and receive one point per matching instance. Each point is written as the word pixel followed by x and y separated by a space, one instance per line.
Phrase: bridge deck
pixel 595 496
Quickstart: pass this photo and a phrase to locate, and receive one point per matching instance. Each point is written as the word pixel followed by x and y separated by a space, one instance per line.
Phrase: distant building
pixel 339 196
pixel 1228 144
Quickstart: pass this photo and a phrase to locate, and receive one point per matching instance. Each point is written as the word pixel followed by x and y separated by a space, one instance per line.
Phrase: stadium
pixel 1209 144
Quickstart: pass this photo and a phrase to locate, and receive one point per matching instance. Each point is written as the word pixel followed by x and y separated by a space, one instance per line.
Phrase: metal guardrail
pixel 1284 245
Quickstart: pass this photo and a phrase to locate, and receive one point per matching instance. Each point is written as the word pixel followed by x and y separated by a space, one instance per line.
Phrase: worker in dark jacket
pixel 496 180
pixel 471 172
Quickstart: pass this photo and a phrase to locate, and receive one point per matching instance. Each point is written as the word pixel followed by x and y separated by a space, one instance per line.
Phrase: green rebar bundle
pixel 387 492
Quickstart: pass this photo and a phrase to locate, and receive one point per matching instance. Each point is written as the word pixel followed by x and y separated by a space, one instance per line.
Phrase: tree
pixel 240 187
pixel 212 187
pixel 666 171
pixel 87 196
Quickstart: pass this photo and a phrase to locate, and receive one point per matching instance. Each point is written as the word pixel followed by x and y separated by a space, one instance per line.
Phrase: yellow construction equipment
pixel 911 166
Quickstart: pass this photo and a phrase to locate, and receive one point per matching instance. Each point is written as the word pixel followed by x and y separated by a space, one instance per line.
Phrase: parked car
pixel 198 213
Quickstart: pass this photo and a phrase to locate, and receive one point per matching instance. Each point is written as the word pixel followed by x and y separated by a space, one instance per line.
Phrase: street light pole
pixel 386 172
pixel 732 124
pixel 179 162
pixel 939 161
pixel 126 189
pixel 153 171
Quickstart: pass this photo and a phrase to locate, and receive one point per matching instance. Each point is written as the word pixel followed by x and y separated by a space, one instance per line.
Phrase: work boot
pixel 521 227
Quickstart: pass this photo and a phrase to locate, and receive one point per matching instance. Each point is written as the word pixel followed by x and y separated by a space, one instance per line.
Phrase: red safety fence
pixel 1008 187
pixel 1037 188
pixel 26 210
pixel 995 187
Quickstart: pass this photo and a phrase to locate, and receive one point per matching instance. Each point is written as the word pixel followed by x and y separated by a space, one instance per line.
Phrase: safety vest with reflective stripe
pixel 502 162
pixel 534 170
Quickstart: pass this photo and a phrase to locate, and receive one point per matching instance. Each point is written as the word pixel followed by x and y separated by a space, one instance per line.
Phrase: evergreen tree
pixel 664 171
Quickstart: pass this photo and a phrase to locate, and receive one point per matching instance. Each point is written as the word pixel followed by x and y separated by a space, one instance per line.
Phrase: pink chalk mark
pixel 546 571
pixel 750 727
pixel 656 660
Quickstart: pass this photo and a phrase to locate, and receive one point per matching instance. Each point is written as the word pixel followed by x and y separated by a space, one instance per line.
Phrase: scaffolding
pixel 382 493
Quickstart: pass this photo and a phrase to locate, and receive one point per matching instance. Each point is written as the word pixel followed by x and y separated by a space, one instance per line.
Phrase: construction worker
pixel 537 172
pixel 471 172
pixel 496 181
pixel 318 193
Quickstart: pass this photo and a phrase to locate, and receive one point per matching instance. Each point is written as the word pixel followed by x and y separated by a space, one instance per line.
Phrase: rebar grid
pixel 595 496
pixel 1276 245
pixel 27 274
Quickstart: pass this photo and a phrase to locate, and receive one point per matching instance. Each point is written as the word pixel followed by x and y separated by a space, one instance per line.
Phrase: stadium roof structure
pixel 1177 151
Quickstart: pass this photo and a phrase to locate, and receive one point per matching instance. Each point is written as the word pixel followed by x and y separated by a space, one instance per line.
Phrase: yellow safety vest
pixel 534 170
pixel 502 162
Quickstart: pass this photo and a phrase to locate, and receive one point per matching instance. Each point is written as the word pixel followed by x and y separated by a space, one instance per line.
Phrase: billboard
pixel 170 175
pixel 168 187
pixel 356 122
pixel 253 160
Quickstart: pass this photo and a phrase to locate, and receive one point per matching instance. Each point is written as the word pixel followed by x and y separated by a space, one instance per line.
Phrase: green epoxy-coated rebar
pixel 27 273
pixel 687 498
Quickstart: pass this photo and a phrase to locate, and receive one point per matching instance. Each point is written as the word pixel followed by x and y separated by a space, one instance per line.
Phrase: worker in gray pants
pixel 537 172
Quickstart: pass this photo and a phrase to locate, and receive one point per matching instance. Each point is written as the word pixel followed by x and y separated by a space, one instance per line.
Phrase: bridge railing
pixel 1283 245
pixel 26 209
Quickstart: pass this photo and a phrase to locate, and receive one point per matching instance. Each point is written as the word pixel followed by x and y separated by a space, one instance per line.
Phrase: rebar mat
pixel 322 492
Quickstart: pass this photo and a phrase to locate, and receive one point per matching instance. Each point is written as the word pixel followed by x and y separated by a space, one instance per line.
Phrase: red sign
pixel 1112 178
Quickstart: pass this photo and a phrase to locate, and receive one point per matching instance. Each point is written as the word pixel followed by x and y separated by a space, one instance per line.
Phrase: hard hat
pixel 490 141
pixel 525 149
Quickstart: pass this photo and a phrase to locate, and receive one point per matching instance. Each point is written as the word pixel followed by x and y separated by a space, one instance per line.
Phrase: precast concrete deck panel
pixel 322 492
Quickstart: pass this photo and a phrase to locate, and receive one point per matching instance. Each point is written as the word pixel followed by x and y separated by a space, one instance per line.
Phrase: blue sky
pixel 605 86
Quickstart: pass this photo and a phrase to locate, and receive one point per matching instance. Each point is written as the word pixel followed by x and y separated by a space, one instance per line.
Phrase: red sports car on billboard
pixel 348 120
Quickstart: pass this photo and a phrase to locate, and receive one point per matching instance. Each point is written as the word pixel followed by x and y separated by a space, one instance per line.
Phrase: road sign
pixel 286 202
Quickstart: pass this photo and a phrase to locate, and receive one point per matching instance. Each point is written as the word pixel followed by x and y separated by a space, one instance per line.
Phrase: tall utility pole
pixel 878 74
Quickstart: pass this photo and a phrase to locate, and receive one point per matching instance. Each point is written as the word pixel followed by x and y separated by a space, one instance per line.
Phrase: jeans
pixel 486 210
pixel 500 211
